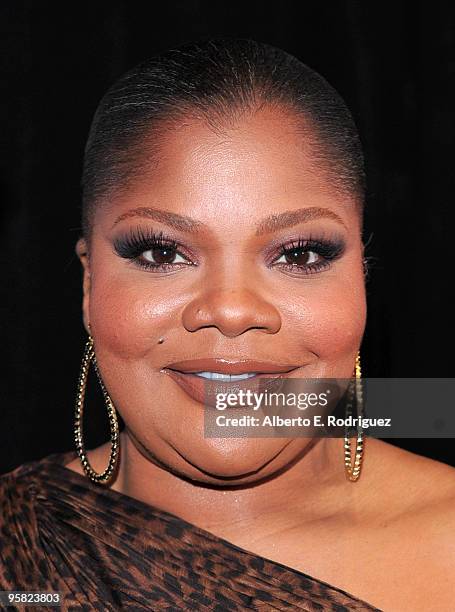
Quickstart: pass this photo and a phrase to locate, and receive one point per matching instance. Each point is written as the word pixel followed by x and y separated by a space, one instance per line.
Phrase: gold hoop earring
pixel 353 471
pixel 103 477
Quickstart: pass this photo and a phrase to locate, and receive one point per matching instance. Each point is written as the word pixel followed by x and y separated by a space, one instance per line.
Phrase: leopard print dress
pixel 103 550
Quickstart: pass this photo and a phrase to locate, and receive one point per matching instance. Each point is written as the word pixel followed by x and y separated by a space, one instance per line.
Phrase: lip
pixel 227 366
pixel 204 390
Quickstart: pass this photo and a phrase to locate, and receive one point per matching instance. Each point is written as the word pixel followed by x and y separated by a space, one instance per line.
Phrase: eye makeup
pixel 151 250
pixel 157 252
pixel 308 255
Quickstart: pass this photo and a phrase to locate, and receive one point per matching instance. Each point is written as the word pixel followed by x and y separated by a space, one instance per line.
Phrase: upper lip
pixel 227 366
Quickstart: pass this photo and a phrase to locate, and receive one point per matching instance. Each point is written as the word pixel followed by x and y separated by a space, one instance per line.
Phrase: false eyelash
pixel 140 240
pixel 329 249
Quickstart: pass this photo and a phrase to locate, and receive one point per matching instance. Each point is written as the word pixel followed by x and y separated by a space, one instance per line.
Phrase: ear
pixel 82 253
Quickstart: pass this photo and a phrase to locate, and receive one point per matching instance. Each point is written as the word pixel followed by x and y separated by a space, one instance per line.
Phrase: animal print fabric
pixel 103 550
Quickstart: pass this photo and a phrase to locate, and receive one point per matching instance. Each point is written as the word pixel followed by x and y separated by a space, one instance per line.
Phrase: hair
pixel 216 80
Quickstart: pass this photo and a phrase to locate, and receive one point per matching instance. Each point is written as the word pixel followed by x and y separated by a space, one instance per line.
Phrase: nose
pixel 232 312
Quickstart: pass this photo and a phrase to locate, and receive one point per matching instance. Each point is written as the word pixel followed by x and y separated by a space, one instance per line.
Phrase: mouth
pixel 202 379
pixel 220 377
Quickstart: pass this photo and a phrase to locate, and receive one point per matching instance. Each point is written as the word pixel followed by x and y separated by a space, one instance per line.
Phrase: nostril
pixel 232 312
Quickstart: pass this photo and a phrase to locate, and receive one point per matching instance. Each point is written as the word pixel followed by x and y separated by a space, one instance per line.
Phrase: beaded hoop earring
pixel 353 471
pixel 103 477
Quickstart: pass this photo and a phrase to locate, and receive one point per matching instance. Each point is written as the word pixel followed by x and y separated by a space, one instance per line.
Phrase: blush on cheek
pixel 331 324
pixel 125 321
pixel 340 332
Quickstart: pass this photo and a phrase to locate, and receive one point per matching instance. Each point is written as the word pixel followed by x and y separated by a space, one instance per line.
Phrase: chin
pixel 242 459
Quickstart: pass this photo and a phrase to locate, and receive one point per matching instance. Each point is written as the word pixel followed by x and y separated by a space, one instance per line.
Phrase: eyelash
pixel 328 249
pixel 138 241
pixel 133 245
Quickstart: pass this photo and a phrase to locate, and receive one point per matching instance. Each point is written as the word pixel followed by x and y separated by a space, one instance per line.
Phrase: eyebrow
pixel 290 218
pixel 267 225
pixel 178 222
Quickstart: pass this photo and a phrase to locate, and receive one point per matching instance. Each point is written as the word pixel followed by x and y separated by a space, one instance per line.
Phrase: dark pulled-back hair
pixel 218 81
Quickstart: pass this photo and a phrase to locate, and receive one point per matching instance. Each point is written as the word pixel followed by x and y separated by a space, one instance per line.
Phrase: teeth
pixel 224 377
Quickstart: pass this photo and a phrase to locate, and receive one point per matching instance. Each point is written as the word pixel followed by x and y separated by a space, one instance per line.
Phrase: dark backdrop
pixel 394 66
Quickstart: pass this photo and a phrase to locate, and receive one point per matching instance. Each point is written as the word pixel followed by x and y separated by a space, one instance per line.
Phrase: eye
pixel 163 255
pixel 299 257
pixel 308 256
pixel 152 251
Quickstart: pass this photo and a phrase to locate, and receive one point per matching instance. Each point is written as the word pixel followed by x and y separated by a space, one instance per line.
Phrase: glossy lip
pixel 203 390
pixel 226 366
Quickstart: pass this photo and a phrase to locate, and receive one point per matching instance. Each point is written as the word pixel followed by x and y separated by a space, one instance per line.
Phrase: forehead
pixel 259 163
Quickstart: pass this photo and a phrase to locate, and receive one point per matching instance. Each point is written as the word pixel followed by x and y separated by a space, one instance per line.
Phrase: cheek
pixel 342 316
pixel 329 317
pixel 128 317
pixel 326 315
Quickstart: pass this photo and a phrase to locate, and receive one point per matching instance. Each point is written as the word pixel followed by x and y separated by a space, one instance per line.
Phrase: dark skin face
pixel 230 293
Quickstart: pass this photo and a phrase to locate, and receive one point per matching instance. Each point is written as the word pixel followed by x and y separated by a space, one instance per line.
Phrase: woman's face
pixel 229 281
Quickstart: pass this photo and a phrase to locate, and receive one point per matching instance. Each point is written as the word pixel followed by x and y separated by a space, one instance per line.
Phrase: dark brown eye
pixel 299 257
pixel 162 255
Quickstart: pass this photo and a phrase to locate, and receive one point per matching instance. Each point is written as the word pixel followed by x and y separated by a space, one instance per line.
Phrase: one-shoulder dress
pixel 102 550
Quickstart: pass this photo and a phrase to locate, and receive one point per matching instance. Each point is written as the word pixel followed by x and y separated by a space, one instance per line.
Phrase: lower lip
pixel 203 390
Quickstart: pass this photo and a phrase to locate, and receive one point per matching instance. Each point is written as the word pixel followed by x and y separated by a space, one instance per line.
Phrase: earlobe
pixel 82 253
pixel 81 249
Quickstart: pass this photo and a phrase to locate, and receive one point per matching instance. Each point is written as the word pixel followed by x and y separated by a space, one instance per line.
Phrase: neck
pixel 310 488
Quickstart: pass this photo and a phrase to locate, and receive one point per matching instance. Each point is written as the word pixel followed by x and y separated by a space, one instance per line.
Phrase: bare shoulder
pixel 420 493
pixel 413 485
pixel 407 526
pixel 417 478
pixel 433 503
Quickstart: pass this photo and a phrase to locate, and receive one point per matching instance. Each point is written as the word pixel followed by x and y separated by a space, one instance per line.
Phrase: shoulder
pixel 17 493
pixel 14 484
pixel 434 507
pixel 22 554
pixel 18 489
pixel 407 529
pixel 421 495
pixel 18 480
pixel 411 484
pixel 409 465
pixel 17 524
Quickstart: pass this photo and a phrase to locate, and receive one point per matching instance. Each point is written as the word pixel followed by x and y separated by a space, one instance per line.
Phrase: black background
pixel 393 63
